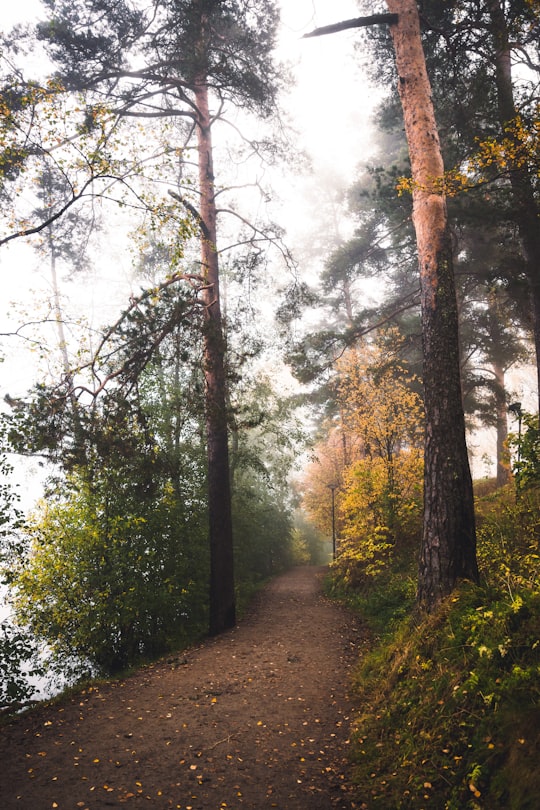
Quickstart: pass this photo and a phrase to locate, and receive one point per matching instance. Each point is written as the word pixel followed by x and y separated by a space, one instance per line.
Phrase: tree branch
pixel 193 211
pixel 142 359
pixel 358 22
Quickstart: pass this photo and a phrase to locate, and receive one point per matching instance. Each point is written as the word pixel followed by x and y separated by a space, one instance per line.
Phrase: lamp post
pixel 332 488
pixel 516 410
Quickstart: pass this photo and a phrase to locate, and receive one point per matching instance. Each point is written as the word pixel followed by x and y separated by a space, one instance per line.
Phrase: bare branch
pixel 358 22
pixel 198 284
pixel 42 225
pixel 526 58
pixel 262 236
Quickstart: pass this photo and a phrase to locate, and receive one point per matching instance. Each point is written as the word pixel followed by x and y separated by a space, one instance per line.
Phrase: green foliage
pixel 527 449
pixel 265 439
pixel 449 703
pixel 509 531
pixel 111 578
pixel 262 512
pixel 384 601
pixel 10 514
pixel 262 532
pixel 115 565
pixel 19 663
pixel 18 650
pixel 312 546
pixel 229 44
pixel 451 700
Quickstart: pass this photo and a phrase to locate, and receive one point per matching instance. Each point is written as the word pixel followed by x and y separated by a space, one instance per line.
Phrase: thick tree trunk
pixel 526 209
pixel 449 539
pixel 222 596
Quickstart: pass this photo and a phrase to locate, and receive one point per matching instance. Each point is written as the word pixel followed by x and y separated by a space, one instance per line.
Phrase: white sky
pixel 332 101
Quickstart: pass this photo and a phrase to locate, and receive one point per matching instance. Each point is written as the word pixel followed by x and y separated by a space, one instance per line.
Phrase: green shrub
pixel 19 663
pixel 450 701
pixel 109 579
pixel 448 707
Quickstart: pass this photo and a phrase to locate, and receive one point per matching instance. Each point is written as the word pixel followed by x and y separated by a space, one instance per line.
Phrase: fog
pixel 328 106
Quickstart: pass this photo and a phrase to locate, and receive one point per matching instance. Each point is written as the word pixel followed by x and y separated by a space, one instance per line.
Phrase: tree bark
pixel 222 595
pixel 448 551
pixel 526 208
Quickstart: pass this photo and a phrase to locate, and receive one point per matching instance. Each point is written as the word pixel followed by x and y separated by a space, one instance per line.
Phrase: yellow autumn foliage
pixel 374 454
pixel 518 147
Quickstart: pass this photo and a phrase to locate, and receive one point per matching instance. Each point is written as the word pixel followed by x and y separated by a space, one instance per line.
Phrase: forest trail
pixel 256 718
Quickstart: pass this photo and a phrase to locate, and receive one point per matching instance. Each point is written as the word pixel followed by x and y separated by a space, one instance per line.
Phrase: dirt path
pixel 257 718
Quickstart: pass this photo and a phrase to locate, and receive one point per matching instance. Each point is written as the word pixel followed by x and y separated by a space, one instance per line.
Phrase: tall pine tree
pixel 183 60
pixel 449 536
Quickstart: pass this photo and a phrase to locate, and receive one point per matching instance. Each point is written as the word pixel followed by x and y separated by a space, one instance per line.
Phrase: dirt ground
pixel 256 718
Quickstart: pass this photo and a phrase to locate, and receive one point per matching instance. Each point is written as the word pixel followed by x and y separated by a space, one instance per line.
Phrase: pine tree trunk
pixel 222 596
pixel 448 550
pixel 526 209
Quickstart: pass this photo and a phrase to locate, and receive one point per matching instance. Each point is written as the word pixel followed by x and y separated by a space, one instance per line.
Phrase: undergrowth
pixel 450 714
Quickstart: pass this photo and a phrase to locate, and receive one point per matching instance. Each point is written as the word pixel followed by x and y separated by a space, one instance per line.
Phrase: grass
pixel 450 715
